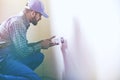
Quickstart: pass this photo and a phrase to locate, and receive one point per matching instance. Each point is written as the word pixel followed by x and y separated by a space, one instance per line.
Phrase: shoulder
pixel 16 19
pixel 12 20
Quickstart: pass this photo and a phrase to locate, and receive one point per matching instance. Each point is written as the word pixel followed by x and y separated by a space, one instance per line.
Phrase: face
pixel 35 18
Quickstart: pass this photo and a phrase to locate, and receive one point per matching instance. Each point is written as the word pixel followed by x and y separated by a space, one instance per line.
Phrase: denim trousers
pixel 20 69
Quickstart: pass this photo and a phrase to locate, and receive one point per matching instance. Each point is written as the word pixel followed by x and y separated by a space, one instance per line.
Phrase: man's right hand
pixel 45 44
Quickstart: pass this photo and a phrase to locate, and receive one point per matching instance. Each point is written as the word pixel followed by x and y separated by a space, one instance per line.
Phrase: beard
pixel 34 21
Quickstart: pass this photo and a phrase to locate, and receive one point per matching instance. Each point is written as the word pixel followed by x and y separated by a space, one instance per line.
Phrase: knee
pixel 40 57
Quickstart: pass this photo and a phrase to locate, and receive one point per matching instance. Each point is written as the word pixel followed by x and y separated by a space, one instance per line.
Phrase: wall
pixel 92 31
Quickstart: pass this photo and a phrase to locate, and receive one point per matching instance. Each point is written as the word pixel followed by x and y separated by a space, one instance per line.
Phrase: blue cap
pixel 37 6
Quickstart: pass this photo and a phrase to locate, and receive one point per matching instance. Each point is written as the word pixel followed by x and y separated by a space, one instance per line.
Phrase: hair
pixel 27 10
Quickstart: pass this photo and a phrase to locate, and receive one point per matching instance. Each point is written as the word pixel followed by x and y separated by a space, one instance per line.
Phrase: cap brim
pixel 44 14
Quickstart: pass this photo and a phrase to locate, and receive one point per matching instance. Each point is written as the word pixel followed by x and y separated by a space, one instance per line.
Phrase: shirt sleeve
pixel 20 41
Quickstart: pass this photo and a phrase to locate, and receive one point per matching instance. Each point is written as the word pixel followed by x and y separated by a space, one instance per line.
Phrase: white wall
pixel 92 30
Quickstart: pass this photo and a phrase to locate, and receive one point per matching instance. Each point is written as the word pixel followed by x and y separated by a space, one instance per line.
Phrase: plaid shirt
pixel 13 31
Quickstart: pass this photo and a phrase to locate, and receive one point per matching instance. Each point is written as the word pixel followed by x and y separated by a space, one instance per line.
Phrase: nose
pixel 39 18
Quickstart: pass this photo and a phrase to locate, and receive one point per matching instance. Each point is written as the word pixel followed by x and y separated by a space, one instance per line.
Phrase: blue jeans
pixel 20 69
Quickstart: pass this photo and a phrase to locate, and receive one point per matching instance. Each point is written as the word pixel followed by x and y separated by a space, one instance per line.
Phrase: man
pixel 18 58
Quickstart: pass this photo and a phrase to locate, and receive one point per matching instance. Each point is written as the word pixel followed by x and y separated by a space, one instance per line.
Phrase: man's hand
pixel 3 44
pixel 45 44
